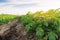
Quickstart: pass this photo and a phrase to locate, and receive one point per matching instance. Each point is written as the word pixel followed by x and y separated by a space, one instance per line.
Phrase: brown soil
pixel 15 31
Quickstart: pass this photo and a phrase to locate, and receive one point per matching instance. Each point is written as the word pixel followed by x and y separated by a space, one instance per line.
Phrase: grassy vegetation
pixel 46 25
pixel 5 18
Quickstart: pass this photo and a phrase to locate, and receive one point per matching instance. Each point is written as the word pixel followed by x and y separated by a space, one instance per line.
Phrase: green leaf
pixel 45 23
pixel 58 29
pixel 52 36
pixel 39 32
pixel 27 27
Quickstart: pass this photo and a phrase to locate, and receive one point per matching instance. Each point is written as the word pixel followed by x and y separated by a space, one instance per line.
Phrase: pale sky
pixel 20 7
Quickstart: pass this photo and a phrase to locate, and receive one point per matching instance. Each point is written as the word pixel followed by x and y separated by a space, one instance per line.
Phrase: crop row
pixel 5 18
pixel 46 25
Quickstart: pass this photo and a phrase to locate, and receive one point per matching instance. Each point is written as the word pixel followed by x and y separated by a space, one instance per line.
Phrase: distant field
pixel 5 18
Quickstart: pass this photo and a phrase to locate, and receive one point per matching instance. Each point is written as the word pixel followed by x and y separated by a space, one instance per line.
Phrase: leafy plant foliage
pixel 44 24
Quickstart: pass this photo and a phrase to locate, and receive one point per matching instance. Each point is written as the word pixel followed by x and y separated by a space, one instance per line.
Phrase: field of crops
pixel 5 18
pixel 46 25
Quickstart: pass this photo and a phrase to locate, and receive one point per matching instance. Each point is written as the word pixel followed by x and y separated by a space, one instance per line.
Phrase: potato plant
pixel 46 25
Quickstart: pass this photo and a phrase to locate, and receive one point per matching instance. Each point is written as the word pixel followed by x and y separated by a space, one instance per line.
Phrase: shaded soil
pixel 15 31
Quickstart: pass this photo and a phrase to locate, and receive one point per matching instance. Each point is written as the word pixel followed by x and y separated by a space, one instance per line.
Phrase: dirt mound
pixel 15 31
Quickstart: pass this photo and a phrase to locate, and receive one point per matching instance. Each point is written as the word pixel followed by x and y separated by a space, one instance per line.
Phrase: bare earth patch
pixel 15 31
